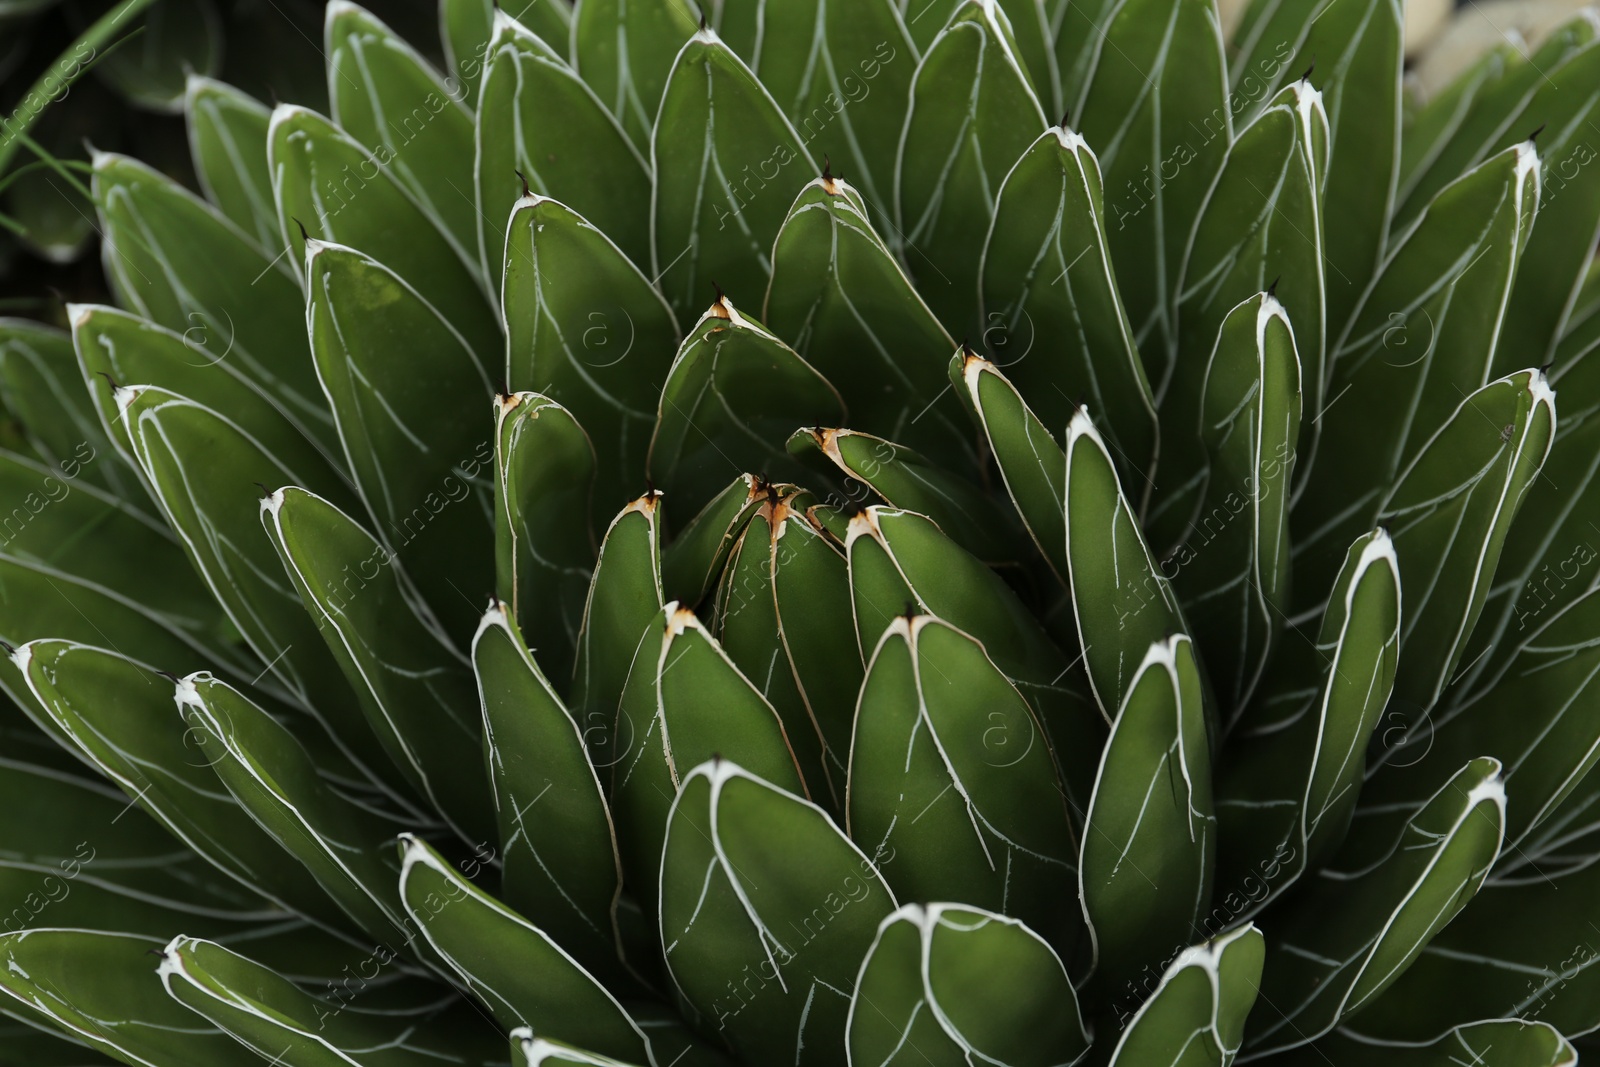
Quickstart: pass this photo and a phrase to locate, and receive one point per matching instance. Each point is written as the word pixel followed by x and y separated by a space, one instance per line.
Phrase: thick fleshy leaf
pixel 624 596
pixel 947 986
pixel 783 594
pixel 325 181
pixel 973 112
pixel 1196 1016
pixel 544 473
pixel 1423 339
pixel 59 521
pixel 116 1003
pixel 723 156
pixel 841 70
pixel 342 843
pixel 272 1016
pixel 951 773
pixel 624 51
pixel 907 480
pixel 385 95
pixel 1122 600
pixel 693 562
pixel 841 298
pixel 734 393
pixel 206 471
pixel 120 715
pixel 585 327
pixel 1048 285
pixel 117 348
pixel 180 264
pixel 1150 838
pixel 1350 933
pixel 684 703
pixel 1261 229
pixel 228 140
pixel 900 562
pixel 41 385
pixel 1157 110
pixel 1449 515
pixel 1031 463
pixel 519 973
pixel 465 29
pixel 1491 1043
pixel 1496 110
pixel 541 129
pixel 1288 789
pixel 757 882
pixel 1431 128
pixel 558 850
pixel 414 691
pixel 416 432
pixel 1231 573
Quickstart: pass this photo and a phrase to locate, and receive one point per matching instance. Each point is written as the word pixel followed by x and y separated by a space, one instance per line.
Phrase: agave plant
pixel 736 541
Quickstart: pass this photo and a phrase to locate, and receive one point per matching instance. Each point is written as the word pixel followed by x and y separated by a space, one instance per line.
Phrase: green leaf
pixel 1196 1016
pixel 973 112
pixel 465 29
pixel 684 703
pixel 536 1051
pixel 272 1016
pixel 1493 108
pixel 1031 463
pixel 117 348
pixel 544 476
pixel 947 985
pixel 228 140
pixel 757 884
pixel 340 842
pixel 829 267
pixel 116 1005
pixel 1350 933
pixel 1491 1043
pixel 415 431
pixel 538 119
pixel 179 263
pixel 1288 789
pixel 1232 572
pixel 41 385
pixel 120 715
pixel 720 146
pixel 624 596
pixel 900 560
pixel 1150 837
pixel 692 563
pixel 1423 339
pixel 841 71
pixel 1048 283
pixel 326 182
pixel 413 690
pixel 557 845
pixel 734 392
pixel 205 471
pixel 1158 110
pixel 175 40
pixel 1449 515
pixel 625 50
pixel 585 327
pixel 385 95
pixel 1261 229
pixel 1122 601
pixel 58 521
pixel 786 590
pixel 907 480
pixel 519 973
pixel 952 776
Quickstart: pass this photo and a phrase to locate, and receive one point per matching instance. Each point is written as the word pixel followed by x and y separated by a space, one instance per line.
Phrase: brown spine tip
pixel 303 235
pixel 109 379
pixel 911 612
pixel 1066 117
pixel 524 180
pixel 1272 290
pixel 1534 136
pixel 1307 75
pixel 265 492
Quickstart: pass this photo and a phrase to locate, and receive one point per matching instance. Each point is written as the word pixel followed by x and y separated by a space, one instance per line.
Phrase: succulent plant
pixel 736 541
